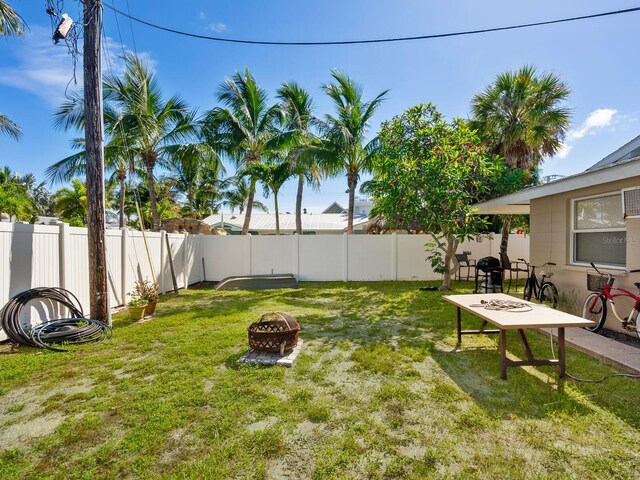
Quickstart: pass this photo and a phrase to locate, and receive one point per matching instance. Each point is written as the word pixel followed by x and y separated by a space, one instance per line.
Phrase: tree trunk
pixel 190 200
pixel 149 164
pixel 449 266
pixel 275 204
pixel 247 218
pixel 299 205
pixel 98 299
pixel 506 230
pixel 352 182
pixel 123 192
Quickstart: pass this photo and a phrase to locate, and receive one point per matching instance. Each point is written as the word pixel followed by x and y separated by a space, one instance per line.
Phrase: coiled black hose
pixel 65 331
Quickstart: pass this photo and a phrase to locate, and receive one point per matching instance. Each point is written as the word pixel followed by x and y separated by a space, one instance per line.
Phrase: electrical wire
pixel 375 40
pixel 589 380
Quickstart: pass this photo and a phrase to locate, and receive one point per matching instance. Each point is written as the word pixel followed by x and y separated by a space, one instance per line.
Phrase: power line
pixel 376 40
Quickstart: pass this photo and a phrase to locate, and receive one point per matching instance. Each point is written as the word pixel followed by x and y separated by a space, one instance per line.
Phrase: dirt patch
pixel 262 424
pixel 17 434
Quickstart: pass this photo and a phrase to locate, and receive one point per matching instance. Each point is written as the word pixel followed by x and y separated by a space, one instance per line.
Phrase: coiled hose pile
pixel 63 331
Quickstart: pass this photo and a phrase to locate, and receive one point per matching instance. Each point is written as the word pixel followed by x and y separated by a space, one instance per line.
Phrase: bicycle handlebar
pixel 553 264
pixel 609 274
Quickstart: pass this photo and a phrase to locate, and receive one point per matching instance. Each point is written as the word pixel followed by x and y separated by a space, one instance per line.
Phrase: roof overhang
pixel 519 202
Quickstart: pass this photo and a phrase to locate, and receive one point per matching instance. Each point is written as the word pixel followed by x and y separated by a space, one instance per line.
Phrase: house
pixel 593 216
pixel 335 207
pixel 265 223
pixel 361 206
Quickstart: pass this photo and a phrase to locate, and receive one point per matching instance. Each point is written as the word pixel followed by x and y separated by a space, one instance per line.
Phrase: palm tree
pixel 9 127
pixel 141 123
pixel 193 166
pixel 246 130
pixel 342 147
pixel 153 123
pixel 299 119
pixel 71 203
pixel 273 175
pixel 11 24
pixel 118 160
pixel 521 115
pixel 236 194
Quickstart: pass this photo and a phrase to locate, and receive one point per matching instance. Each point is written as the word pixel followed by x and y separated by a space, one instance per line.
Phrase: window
pixel 598 231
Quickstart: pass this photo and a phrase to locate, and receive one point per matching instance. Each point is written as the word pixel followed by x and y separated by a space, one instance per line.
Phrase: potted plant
pixel 137 306
pixel 148 291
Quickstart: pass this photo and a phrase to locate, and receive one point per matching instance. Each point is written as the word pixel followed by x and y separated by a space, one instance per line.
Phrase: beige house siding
pixel 551 242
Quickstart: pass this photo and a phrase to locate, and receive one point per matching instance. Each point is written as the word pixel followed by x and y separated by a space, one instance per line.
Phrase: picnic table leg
pixel 561 354
pixel 503 354
pixel 459 321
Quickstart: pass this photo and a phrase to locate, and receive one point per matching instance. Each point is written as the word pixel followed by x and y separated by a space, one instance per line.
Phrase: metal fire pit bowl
pixel 274 332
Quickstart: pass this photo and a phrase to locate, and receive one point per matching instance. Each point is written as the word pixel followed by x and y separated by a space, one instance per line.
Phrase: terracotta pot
pixel 150 309
pixel 137 313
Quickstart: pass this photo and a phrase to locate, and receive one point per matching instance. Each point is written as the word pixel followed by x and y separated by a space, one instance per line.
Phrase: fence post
pixel 163 259
pixel 345 258
pixel 200 257
pixel 296 257
pixel 124 239
pixel 185 260
pixel 63 243
pixel 394 256
pixel 250 256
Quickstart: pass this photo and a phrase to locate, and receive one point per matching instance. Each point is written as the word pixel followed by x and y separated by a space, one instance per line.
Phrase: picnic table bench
pixel 533 316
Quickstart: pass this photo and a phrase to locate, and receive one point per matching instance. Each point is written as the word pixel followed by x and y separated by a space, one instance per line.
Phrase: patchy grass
pixel 378 392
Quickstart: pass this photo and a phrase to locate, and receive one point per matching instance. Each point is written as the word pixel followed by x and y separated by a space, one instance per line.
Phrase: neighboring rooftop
pixel 335 207
pixel 265 223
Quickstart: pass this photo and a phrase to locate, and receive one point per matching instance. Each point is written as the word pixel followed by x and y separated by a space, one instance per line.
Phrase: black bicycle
pixel 544 291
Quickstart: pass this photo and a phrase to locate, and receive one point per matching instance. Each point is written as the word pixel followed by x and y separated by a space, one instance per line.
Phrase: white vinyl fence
pixel 56 256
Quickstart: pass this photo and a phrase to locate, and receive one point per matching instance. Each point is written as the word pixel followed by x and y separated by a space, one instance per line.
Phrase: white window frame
pixel 573 230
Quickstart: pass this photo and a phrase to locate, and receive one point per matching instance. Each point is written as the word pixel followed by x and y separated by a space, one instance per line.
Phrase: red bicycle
pixel 595 306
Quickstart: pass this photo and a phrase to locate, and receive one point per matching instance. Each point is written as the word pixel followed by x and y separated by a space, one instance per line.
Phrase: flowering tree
pixel 427 176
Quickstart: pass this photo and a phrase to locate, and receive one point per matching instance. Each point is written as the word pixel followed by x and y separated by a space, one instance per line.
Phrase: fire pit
pixel 274 332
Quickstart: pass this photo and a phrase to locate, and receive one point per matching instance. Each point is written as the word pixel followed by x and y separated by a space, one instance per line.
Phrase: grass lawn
pixel 378 392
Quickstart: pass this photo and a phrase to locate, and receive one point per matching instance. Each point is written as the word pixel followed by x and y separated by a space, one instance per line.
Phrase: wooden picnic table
pixel 538 316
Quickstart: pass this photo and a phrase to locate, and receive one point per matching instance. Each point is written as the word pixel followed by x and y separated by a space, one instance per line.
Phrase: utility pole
pixel 95 161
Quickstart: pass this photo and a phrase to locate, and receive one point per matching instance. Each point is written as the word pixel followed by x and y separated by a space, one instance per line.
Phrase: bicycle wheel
pixel 528 289
pixel 595 309
pixel 634 321
pixel 549 295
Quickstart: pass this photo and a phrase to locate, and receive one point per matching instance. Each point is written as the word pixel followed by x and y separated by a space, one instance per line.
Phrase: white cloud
pixel 564 151
pixel 202 15
pixel 600 118
pixel 595 121
pixel 46 70
pixel 43 68
pixel 218 27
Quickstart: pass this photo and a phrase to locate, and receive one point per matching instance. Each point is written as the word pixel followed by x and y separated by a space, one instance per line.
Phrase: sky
pixel 597 58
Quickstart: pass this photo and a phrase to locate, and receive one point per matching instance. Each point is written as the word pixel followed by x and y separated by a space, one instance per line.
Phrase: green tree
pixel 428 174
pixel 297 105
pixel 138 119
pixel 118 159
pixel 273 175
pixel 9 127
pixel 11 23
pixel 521 115
pixel 236 195
pixel 70 204
pixel 342 147
pixel 194 166
pixel 246 128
